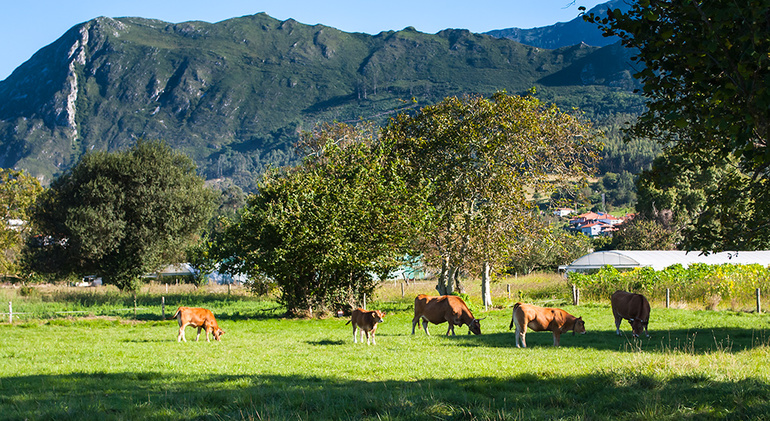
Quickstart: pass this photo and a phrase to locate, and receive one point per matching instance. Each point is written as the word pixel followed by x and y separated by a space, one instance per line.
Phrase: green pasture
pixel 698 364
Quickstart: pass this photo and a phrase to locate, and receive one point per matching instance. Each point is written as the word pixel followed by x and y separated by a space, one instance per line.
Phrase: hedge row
pixel 698 283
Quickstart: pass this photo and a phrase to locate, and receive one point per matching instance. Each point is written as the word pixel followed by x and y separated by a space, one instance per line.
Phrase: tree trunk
pixel 486 291
pixel 450 282
pixel 442 279
pixel 459 287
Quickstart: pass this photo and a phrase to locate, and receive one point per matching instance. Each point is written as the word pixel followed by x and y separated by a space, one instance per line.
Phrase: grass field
pixel 697 365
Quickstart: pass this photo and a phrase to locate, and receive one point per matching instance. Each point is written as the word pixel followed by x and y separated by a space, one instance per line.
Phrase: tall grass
pixel 697 364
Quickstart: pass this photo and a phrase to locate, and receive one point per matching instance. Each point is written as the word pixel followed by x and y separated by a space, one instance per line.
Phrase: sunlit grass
pixel 697 364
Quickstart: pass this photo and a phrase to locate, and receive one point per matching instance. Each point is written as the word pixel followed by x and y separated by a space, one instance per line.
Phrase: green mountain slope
pixel 234 95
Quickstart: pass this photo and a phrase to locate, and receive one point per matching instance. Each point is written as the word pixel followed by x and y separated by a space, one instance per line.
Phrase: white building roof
pixel 659 259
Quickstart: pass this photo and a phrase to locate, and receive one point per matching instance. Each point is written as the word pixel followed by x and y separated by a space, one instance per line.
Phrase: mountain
pixel 235 95
pixel 564 34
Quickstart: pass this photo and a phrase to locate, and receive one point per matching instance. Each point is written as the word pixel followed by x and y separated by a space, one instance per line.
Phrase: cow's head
pixel 378 316
pixel 475 326
pixel 637 327
pixel 218 333
pixel 580 326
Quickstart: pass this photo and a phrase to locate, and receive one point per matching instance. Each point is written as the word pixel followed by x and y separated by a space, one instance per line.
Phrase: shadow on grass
pixel 546 395
pixel 690 341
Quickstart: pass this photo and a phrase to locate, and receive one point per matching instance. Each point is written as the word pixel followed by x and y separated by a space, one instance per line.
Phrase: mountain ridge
pixel 234 95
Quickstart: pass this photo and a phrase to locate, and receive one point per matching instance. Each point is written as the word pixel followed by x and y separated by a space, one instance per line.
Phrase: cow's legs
pixel 556 336
pixel 425 326
pixel 199 333
pixel 181 337
pixel 618 321
pixel 414 323
pixel 355 334
pixel 374 341
pixel 521 336
pixel 451 329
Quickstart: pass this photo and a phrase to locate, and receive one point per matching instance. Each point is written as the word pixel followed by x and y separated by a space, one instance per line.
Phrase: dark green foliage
pixel 704 196
pixel 120 215
pixel 705 67
pixel 234 95
pixel 328 231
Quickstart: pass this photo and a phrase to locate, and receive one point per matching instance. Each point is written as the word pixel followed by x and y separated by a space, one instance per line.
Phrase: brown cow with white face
pixel 446 308
pixel 366 323
pixel 541 319
pixel 201 318
pixel 633 307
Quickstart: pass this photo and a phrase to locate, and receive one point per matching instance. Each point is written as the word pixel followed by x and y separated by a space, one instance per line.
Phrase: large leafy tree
pixel 705 68
pixel 328 230
pixel 122 215
pixel 481 159
pixel 18 191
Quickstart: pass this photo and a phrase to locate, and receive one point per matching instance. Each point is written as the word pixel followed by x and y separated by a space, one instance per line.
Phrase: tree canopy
pixel 18 191
pixel 482 158
pixel 121 215
pixel 705 69
pixel 326 232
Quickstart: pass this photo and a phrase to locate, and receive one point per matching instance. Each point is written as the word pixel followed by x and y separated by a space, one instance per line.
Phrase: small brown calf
pixel 201 318
pixel 366 322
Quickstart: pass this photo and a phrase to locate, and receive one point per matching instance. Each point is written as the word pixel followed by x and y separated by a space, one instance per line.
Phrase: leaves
pixel 705 68
pixel 122 215
pixel 323 229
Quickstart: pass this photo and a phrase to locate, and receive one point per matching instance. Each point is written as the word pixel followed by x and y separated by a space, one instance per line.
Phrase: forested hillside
pixel 235 95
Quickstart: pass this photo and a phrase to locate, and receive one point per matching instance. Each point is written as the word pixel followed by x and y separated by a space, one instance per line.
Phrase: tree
pixel 656 232
pixel 329 230
pixel 18 191
pixel 122 215
pixel 480 159
pixel 704 69
pixel 703 196
pixel 551 247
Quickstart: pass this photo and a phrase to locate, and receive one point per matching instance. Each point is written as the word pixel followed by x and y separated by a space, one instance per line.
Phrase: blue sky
pixel 26 26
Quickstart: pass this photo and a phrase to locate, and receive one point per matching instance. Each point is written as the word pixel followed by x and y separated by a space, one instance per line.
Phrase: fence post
pixel 759 302
pixel 163 308
pixel 364 301
pixel 668 297
pixel 577 296
pixel 134 305
pixel 10 312
pixel 508 287
pixel 574 294
pixel 402 290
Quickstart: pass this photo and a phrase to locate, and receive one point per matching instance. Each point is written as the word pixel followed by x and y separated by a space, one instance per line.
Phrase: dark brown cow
pixel 540 319
pixel 446 308
pixel 366 322
pixel 633 307
pixel 201 318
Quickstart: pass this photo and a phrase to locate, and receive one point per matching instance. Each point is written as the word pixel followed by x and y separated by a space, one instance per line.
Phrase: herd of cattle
pixel 452 309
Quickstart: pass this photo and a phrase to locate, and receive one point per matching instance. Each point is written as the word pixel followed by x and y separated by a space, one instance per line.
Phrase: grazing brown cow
pixel 200 318
pixel 633 307
pixel 366 322
pixel 446 308
pixel 539 319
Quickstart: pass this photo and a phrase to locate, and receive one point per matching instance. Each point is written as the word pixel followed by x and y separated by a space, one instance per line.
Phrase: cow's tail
pixel 177 313
pixel 348 322
pixel 515 306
